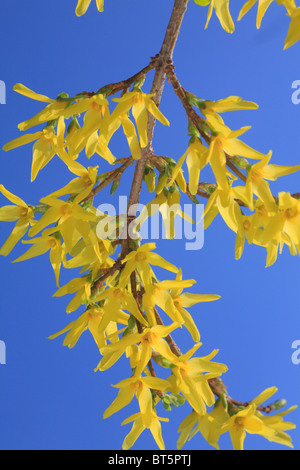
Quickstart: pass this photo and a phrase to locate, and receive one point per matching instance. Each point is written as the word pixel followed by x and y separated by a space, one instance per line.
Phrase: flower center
pixel 261 211
pixel 177 302
pixel 148 338
pixel 256 175
pixel 86 180
pixel 23 212
pixel 247 225
pixel 291 213
pixel 137 386
pixel 66 210
pixel 240 422
pixel 140 257
pixel 138 99
pixel 52 243
pixel 117 294
pixel 48 135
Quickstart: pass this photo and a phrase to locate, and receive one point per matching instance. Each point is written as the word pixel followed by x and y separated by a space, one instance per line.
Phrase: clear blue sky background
pixel 50 398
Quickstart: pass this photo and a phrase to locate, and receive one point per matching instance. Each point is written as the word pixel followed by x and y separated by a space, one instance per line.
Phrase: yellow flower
pixel 168 204
pixel 251 421
pixel 225 141
pixel 197 157
pixel 158 294
pixel 42 245
pixel 51 112
pixel 83 5
pixel 185 428
pixel 224 202
pixel 90 320
pixel 82 287
pixel 150 340
pixel 277 424
pixel 115 300
pixel 139 426
pixel 185 300
pixel 83 185
pixel 43 150
pixel 244 421
pixel 91 254
pixel 141 104
pixel 130 134
pixel 190 377
pixel 263 5
pixel 141 387
pixel 206 424
pixel 96 117
pixel 256 183
pixel 141 260
pixel 286 220
pixel 221 8
pixel 232 103
pixel 72 220
pixel 294 30
pixel 19 212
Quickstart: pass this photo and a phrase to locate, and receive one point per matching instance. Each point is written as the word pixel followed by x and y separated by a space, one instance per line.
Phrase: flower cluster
pixel 221 7
pixel 117 293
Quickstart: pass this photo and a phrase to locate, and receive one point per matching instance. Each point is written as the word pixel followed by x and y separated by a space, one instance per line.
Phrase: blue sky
pixel 50 398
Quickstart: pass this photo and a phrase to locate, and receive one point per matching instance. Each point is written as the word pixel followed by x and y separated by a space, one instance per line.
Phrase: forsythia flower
pixel 256 180
pixel 188 378
pixel 90 320
pixel 139 426
pixel 83 185
pixel 263 5
pixel 91 254
pixel 158 294
pixel 168 204
pixel 206 424
pixel 83 5
pixel 251 421
pixel 294 30
pixel 221 8
pixel 96 116
pixel 19 212
pixel 224 202
pixel 185 300
pixel 43 150
pixel 141 104
pixel 286 220
pixel 82 287
pixel 140 260
pixel 51 112
pixel 232 103
pixel 141 387
pixel 151 339
pixel 130 134
pixel 69 216
pixel 197 157
pixel 115 300
pixel 225 141
pixel 293 12
pixel 42 245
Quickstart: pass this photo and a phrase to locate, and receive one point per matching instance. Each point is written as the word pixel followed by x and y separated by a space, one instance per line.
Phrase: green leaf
pixel 202 3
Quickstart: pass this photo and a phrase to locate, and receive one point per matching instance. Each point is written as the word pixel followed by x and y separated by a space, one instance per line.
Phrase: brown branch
pixel 114 174
pixel 163 59
pixel 113 88
pixel 200 123
pixel 235 170
pixel 218 388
